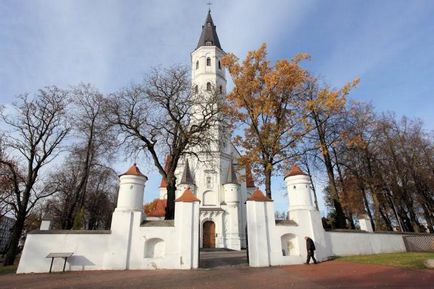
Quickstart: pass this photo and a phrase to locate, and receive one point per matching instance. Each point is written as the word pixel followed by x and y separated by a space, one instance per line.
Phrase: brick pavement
pixel 332 274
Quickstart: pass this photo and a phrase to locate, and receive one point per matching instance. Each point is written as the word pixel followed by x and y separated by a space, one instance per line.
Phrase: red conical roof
pixel 187 196
pixel 295 171
pixel 133 171
pixel 258 196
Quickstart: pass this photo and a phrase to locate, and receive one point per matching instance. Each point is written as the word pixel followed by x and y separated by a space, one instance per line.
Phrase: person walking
pixel 310 246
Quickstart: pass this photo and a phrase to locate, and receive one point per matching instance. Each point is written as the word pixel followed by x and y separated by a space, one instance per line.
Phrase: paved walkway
pixel 325 275
pixel 222 258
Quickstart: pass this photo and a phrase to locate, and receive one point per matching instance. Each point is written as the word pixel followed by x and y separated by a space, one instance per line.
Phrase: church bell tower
pixel 207 70
pixel 208 74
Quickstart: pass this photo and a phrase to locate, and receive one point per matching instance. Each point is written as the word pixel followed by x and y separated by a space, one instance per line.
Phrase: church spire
pixel 209 37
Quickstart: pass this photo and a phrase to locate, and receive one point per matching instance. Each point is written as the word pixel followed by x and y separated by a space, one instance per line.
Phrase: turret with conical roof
pixel 232 199
pixel 231 186
pixel 298 187
pixel 186 180
pixel 231 176
pixel 131 188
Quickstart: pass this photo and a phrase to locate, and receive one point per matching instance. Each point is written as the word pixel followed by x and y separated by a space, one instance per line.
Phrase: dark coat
pixel 310 246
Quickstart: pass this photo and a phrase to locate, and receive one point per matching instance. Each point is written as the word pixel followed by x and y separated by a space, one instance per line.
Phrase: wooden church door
pixel 209 234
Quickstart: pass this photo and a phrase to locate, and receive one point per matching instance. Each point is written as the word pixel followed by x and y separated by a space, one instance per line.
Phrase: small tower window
pixel 208 61
pixel 208 182
pixel 196 89
pixel 208 86
pixel 221 89
pixel 220 65
pixel 197 64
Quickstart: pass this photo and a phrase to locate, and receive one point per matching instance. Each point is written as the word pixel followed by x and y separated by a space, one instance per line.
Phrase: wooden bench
pixel 65 256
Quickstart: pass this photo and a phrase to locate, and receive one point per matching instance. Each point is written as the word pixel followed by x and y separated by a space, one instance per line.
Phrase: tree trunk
pixel 312 185
pixel 377 206
pixel 386 220
pixel 15 240
pixel 267 173
pixel 340 216
pixel 365 201
pixel 428 218
pixel 171 192
pixel 351 220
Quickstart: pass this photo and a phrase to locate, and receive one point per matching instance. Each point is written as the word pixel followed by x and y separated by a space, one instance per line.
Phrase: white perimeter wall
pixel 88 251
pixel 127 246
pixel 347 243
pixel 271 244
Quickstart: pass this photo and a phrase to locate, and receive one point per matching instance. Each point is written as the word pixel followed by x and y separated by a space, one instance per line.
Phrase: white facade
pixel 222 202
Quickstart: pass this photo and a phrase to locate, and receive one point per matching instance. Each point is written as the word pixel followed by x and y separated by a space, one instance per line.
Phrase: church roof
pixel 133 171
pixel 157 208
pixel 209 37
pixel 231 177
pixel 186 178
pixel 258 196
pixel 295 171
pixel 187 196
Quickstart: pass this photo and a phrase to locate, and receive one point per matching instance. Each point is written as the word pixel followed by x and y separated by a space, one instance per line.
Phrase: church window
pixel 208 182
pixel 208 61
pixel 295 187
pixel 220 65
pixel 197 64
pixel 196 89
pixel 221 89
pixel 208 43
pixel 208 86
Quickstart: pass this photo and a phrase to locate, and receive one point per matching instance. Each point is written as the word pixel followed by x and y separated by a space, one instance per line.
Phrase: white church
pixel 214 179
pixel 217 206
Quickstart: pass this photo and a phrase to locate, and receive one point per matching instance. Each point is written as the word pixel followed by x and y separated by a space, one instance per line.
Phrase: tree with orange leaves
pixel 266 103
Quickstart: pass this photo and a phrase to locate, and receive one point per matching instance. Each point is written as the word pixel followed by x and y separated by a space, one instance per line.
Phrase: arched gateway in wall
pixel 208 234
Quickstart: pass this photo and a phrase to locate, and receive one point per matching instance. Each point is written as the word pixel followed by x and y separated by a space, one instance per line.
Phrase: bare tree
pixel 164 116
pixel 93 145
pixel 99 201
pixel 324 106
pixel 36 130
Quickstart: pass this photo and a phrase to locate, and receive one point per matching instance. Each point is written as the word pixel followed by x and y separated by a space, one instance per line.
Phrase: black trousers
pixel 309 255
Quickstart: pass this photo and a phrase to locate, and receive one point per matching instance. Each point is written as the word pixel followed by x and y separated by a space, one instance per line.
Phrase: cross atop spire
pixel 209 37
pixel 209 3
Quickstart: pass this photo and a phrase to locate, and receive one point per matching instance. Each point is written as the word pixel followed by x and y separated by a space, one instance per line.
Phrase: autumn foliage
pixel 265 103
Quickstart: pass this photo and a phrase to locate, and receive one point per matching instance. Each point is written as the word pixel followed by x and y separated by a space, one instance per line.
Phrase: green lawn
pixel 406 260
pixel 7 269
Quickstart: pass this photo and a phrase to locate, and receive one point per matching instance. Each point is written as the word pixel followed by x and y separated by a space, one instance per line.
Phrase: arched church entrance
pixel 208 234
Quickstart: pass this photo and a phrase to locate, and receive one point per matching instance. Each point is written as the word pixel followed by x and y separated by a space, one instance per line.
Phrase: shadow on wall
pixel 79 261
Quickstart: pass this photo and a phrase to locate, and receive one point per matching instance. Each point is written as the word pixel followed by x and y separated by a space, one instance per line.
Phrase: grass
pixel 406 260
pixel 7 269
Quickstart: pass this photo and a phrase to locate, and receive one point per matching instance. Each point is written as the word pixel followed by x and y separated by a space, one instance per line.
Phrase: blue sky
pixel 388 44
